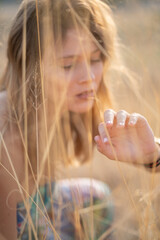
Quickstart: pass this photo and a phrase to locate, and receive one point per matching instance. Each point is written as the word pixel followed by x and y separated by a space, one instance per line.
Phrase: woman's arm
pixel 11 165
pixel 128 138
pixel 7 207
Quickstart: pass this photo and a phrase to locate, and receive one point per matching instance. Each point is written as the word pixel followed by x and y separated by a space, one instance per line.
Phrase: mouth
pixel 86 95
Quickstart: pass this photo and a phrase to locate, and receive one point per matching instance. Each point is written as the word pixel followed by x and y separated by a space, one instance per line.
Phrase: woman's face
pixel 79 70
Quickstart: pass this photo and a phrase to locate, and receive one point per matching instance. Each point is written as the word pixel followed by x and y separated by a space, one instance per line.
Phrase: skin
pixel 81 84
pixel 80 70
pixel 130 135
pixel 9 195
pixel 127 138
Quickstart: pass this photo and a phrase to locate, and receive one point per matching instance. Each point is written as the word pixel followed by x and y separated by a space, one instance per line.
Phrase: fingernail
pixel 96 138
pixel 109 122
pixel 132 122
pixel 105 140
pixel 121 124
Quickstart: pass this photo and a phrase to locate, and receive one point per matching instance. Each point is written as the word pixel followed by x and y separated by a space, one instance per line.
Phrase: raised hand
pixel 126 137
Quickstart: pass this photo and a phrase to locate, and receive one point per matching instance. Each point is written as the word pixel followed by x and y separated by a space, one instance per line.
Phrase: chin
pixel 81 108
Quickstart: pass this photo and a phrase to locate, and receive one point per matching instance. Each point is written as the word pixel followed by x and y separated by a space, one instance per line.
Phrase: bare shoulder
pixel 11 170
pixel 11 148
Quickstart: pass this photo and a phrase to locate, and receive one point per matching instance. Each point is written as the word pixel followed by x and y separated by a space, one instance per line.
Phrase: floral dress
pixel 67 210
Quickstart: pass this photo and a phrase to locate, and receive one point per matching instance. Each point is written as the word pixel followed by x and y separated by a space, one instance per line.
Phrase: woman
pixel 53 92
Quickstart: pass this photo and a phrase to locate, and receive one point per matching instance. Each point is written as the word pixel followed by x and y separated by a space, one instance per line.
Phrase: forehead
pixel 77 42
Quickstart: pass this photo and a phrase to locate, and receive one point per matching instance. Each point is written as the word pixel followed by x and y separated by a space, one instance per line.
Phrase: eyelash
pixel 92 61
pixel 96 60
pixel 67 67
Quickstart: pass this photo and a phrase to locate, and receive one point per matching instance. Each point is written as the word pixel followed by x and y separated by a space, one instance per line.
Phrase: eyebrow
pixel 73 56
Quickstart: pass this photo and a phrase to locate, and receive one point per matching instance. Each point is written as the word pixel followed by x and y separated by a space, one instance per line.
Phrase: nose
pixel 86 74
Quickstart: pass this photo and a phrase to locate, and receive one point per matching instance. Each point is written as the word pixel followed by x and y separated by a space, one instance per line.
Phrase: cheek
pixel 70 82
pixel 55 85
pixel 98 72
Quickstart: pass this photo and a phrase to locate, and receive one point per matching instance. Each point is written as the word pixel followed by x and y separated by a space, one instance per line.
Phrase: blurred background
pixel 135 191
pixel 138 23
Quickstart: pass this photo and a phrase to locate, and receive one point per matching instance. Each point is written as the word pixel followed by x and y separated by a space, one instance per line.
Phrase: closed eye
pixel 96 60
pixel 68 67
pixel 96 57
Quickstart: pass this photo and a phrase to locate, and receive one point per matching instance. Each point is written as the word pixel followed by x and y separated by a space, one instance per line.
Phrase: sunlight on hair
pixel 65 67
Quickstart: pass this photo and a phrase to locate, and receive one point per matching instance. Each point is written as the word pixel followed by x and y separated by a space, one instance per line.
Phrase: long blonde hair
pixel 23 78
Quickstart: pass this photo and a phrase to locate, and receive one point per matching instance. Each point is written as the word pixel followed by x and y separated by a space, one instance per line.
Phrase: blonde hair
pixel 95 17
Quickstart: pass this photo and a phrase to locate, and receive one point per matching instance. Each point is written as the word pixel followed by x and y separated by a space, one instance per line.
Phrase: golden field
pixel 135 191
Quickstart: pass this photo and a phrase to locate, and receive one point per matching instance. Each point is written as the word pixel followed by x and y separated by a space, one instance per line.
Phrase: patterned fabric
pixel 76 209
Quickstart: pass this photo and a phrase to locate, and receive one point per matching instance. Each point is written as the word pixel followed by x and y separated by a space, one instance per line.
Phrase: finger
pixel 121 118
pixel 142 121
pixel 102 132
pixel 97 139
pixel 133 118
pixel 98 142
pixel 109 115
pixel 138 120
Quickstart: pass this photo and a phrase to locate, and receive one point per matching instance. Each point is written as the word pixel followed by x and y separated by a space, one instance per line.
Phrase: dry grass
pixel 140 33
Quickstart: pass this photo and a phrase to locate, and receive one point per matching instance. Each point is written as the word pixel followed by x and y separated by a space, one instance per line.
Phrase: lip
pixel 86 95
